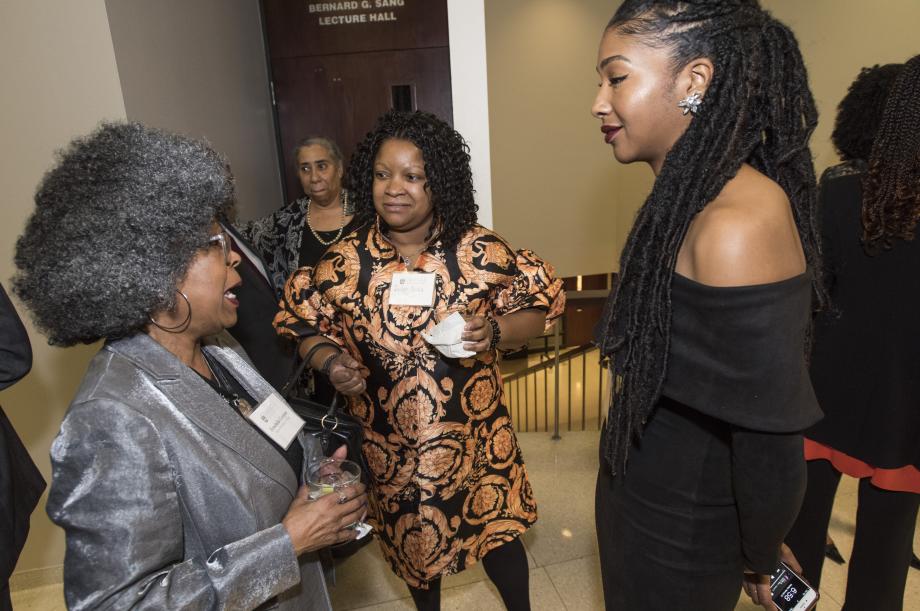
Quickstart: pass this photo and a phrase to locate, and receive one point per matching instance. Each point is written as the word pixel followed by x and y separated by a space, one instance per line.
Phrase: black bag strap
pixel 288 387
pixel 291 383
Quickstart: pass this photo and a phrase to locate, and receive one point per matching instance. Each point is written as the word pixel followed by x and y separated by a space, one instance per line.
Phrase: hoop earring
pixel 182 325
pixel 691 103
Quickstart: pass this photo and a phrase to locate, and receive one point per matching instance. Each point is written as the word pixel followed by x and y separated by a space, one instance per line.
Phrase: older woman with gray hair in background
pixel 170 495
pixel 298 234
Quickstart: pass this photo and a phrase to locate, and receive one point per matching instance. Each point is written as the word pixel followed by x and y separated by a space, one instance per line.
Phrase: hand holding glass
pixel 335 475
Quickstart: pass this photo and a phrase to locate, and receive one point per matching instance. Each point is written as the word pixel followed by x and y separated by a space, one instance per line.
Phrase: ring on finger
pixel 343 497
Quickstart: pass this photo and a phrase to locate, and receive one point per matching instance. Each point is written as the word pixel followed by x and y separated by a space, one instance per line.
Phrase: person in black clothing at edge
pixel 272 355
pixel 21 484
pixel 702 471
pixel 866 356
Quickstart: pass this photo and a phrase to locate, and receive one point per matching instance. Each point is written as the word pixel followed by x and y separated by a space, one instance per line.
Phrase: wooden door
pixel 334 80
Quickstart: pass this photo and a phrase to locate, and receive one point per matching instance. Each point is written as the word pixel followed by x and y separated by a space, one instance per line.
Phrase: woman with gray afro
pixel 171 497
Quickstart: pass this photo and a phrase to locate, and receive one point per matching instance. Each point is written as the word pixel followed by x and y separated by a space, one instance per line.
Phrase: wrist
pixel 328 361
pixel 295 544
pixel 319 353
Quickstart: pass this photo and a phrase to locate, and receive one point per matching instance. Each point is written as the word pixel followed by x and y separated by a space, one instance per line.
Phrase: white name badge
pixel 277 420
pixel 412 289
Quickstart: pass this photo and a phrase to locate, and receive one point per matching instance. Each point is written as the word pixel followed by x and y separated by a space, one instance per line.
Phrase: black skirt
pixel 668 529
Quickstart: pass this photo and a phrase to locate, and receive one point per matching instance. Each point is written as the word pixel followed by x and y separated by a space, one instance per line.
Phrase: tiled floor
pixel 562 549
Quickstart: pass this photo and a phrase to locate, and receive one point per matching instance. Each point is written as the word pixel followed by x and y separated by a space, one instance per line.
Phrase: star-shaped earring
pixel 691 103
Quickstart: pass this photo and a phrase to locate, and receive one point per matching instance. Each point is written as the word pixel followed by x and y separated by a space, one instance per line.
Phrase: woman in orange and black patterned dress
pixel 450 486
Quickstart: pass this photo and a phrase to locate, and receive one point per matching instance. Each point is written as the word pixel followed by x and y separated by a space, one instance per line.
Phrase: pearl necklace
pixel 344 199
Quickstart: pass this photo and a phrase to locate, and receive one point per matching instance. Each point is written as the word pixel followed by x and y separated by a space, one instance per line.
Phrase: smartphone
pixel 791 592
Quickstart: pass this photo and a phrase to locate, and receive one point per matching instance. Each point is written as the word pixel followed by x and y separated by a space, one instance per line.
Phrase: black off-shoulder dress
pixel 718 476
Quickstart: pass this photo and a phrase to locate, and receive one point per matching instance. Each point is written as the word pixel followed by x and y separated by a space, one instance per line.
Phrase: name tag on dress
pixel 412 289
pixel 277 420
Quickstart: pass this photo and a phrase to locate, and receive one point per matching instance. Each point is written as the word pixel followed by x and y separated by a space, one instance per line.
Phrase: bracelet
pixel 327 364
pixel 496 332
pixel 309 355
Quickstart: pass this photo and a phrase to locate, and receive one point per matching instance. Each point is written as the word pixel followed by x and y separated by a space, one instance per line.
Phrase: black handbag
pixel 333 430
pixel 326 423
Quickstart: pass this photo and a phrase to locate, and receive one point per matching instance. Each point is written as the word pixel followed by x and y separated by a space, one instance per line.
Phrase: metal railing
pixel 554 377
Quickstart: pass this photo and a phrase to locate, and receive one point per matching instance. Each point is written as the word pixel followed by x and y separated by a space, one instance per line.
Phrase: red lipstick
pixel 610 132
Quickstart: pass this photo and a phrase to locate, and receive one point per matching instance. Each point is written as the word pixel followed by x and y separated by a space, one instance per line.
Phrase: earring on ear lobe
pixel 182 326
pixel 691 103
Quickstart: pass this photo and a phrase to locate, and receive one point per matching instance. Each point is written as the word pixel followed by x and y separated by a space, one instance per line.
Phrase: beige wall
pixel 837 38
pixel 555 186
pixel 59 79
pixel 199 68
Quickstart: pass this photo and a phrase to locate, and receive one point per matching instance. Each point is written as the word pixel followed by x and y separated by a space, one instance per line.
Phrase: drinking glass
pixel 333 475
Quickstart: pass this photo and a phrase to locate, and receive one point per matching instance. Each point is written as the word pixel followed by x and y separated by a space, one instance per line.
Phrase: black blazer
pixel 867 354
pixel 21 484
pixel 273 356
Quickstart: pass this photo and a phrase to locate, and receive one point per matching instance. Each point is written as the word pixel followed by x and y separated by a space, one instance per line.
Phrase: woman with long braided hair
pixel 702 470
pixel 866 356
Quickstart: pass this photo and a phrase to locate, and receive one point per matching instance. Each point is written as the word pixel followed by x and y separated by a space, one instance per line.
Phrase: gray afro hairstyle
pixel 117 222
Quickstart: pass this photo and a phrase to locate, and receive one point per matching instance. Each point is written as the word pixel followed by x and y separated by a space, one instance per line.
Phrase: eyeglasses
pixel 224 240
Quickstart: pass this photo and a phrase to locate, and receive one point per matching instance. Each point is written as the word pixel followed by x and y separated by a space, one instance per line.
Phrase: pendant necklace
pixel 407 259
pixel 223 388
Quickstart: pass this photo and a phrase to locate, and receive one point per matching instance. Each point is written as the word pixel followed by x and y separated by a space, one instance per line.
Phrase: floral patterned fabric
pixel 449 482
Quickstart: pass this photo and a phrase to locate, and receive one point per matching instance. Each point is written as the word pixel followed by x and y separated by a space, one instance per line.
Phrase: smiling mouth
pixel 394 207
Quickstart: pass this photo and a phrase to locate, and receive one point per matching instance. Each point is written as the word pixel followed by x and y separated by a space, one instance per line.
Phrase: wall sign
pixel 304 28
pixel 354 13
pixel 337 66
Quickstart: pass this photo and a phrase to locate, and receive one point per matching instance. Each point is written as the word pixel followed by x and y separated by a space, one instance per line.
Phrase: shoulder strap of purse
pixel 288 387
pixel 291 383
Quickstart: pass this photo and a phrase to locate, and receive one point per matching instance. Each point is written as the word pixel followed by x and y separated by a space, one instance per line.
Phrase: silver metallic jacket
pixel 169 499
